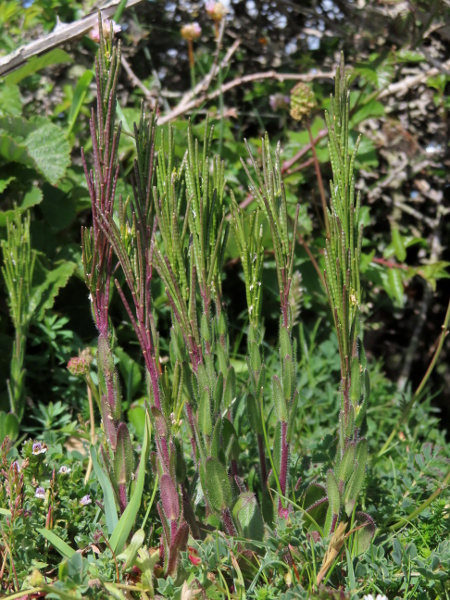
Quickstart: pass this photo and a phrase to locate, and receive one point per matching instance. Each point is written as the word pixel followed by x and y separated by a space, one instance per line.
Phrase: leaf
pixel 279 401
pixel 108 493
pixel 169 498
pixel 64 549
pixel 129 555
pixel 217 484
pixel 333 493
pixel 131 373
pixel 247 513
pixel 78 98
pixel 10 100
pixel 4 183
pixel 394 286
pixel 123 456
pixel 398 244
pixel 363 537
pixel 43 296
pixel 36 63
pixel 50 151
pixel 36 143
pixel 126 521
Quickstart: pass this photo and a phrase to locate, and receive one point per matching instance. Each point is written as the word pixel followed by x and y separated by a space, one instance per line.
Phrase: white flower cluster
pixel 378 597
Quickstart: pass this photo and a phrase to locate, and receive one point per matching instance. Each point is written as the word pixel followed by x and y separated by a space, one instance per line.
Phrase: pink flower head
pixel 191 32
pixel 192 555
pixel 215 10
pixel 85 500
pixel 94 33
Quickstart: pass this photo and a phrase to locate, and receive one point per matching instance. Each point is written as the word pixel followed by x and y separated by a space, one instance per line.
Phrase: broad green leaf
pixel 64 549
pixel 126 521
pixel 36 63
pixel 10 100
pixel 48 147
pixel 13 150
pixel 247 513
pixel 109 499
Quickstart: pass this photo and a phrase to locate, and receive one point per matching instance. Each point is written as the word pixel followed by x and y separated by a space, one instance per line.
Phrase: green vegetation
pixel 194 401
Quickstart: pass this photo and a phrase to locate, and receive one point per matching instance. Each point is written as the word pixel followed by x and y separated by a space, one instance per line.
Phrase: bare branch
pixel 61 35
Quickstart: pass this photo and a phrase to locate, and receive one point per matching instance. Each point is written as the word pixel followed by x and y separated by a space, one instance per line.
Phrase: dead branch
pixel 62 34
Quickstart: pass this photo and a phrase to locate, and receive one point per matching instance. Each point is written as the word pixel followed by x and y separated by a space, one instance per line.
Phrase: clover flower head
pixel 215 10
pixel 378 597
pixel 63 470
pixel 40 493
pixel 38 448
pixel 94 33
pixel 85 500
pixel 78 366
pixel 191 32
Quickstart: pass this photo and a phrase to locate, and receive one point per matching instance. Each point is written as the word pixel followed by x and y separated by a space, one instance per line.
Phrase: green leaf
pixel 279 401
pixel 43 295
pixel 131 373
pixel 48 147
pixel 126 522
pixel 204 414
pixel 356 480
pixel 78 98
pixel 4 183
pixel 109 499
pixel 394 286
pixel 36 143
pixel 333 493
pixel 36 63
pixel 64 549
pixel 123 456
pixel 347 463
pixel 10 100
pixel 136 416
pixel 218 488
pixel 247 513
pixel 130 553
pixel 398 244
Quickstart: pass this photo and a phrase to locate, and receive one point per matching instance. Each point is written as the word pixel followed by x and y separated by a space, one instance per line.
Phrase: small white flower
pixel 64 470
pixel 85 500
pixel 40 493
pixel 379 597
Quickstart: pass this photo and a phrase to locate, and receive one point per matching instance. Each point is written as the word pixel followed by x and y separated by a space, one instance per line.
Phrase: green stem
pixel 423 506
pixel 266 440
